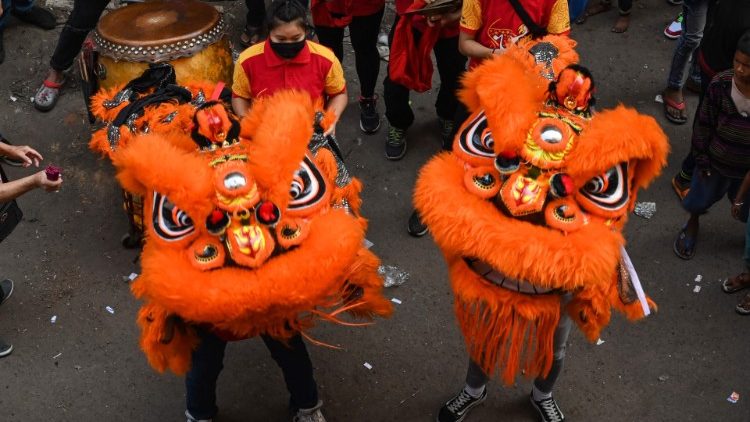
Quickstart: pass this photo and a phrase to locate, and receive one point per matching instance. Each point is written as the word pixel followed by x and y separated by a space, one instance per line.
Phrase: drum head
pixel 158 31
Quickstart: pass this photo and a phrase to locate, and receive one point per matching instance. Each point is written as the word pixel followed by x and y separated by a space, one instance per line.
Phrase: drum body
pixel 188 34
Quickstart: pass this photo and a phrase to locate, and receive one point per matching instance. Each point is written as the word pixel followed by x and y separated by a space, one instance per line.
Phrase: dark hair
pixel 286 11
pixel 743 45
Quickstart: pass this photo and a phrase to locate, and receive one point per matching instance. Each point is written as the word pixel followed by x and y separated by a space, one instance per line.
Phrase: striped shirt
pixel 721 135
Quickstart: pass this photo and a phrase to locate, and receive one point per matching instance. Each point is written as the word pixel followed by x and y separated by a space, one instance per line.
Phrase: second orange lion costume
pixel 249 232
pixel 531 203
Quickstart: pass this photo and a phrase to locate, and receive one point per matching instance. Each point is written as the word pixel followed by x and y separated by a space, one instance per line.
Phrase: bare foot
pixel 593 9
pixel 622 24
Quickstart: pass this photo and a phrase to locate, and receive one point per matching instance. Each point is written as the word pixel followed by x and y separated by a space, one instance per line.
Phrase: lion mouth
pixel 499 279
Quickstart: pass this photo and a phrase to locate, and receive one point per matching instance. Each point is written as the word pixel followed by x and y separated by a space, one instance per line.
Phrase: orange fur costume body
pixel 530 205
pixel 255 232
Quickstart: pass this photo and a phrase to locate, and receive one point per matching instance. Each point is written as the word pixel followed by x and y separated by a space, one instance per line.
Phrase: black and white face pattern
pixel 170 223
pixel 608 191
pixel 308 186
pixel 476 138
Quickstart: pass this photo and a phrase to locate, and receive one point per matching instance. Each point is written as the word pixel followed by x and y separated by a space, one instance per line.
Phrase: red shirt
pixel 354 7
pixel 259 72
pixel 420 22
pixel 495 24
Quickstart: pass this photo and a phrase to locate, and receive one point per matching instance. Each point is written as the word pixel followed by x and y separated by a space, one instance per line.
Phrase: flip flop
pixel 679 106
pixel 735 287
pixel 688 242
pixel 743 308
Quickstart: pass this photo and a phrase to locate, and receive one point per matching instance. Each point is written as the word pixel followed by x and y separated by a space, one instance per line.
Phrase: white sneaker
pixel 190 418
pixel 674 30
pixel 310 415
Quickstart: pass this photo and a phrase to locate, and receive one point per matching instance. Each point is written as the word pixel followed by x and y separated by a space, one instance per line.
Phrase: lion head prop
pixel 531 203
pixel 253 230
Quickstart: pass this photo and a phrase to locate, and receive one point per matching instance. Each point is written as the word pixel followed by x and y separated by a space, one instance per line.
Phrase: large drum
pixel 189 34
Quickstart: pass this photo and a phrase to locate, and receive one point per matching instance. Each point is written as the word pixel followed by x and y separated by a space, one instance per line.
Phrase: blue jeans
pixel 208 361
pixel 17 5
pixel 706 191
pixel 693 21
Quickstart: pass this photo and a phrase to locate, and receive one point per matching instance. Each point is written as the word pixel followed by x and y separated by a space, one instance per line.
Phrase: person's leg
pixel 451 64
pixel 27 11
pixel 471 395
pixel 82 19
pixel 200 381
pixel 705 190
pixel 7 4
pixel 297 368
pixel 398 112
pixel 694 20
pixel 623 21
pixel 364 32
pixel 332 38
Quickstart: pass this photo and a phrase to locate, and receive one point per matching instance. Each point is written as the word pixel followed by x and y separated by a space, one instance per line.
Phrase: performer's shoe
pixel 548 409
pixel 456 409
pixel 6 289
pixel 312 414
pixel 369 119
pixel 190 418
pixel 395 144
pixel 416 227
pixel 5 349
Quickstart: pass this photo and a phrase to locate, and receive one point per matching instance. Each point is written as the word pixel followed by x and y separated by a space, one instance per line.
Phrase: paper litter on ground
pixel 367 365
pixel 57 355
pixel 696 289
pixel 698 278
pixel 734 397
pixel 368 244
pixel 645 209
pixel 659 99
pixel 110 309
pixel 396 301
pixel 599 342
pixel 53 319
pixel 133 276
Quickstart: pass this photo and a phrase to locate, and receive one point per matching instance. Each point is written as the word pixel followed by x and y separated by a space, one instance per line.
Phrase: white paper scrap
pixel 110 309
pixel 698 278
pixel 57 355
pixel 132 276
pixel 368 366
pixel 367 244
pixel 696 289
pixel 53 319
pixel 659 99
pixel 599 342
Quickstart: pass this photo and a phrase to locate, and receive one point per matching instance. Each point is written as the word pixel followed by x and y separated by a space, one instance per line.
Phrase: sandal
pixel 250 36
pixel 736 283
pixel 743 308
pixel 47 95
pixel 687 251
pixel 679 106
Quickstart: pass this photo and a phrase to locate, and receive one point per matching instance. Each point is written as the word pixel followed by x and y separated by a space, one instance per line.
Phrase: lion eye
pixel 608 190
pixel 170 223
pixel 308 186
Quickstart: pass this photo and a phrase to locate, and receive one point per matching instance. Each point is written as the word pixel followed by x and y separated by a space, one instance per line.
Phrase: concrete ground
pixel 679 365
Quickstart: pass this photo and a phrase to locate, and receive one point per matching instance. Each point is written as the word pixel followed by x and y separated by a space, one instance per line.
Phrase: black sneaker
pixel 548 410
pixel 395 143
pixel 369 119
pixel 37 16
pixel 456 409
pixel 6 289
pixel 5 349
pixel 416 228
pixel 446 132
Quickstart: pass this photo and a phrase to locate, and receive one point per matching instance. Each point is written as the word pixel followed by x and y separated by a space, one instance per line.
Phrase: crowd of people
pixel 286 50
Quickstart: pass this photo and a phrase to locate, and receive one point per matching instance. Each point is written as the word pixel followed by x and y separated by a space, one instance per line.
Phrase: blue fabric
pixel 17 5
pixel 693 21
pixel 576 8
pixel 706 191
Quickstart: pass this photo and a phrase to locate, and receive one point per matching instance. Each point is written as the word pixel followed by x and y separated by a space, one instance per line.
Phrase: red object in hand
pixel 53 173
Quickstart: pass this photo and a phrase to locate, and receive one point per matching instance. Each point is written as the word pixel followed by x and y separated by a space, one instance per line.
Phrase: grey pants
pixel 476 378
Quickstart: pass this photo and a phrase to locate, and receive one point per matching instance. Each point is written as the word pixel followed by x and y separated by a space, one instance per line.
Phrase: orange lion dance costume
pixel 530 206
pixel 251 231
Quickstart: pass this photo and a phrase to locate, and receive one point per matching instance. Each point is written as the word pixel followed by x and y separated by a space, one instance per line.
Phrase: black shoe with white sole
pixel 5 349
pixel 6 289
pixel 369 119
pixel 547 409
pixel 456 409
pixel 416 227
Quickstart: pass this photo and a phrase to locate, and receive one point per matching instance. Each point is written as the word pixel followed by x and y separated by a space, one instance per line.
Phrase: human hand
pixel 25 154
pixel 46 184
pixel 331 131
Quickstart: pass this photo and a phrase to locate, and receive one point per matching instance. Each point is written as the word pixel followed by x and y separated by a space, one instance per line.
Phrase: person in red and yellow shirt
pixel 363 18
pixel 286 60
pixel 488 26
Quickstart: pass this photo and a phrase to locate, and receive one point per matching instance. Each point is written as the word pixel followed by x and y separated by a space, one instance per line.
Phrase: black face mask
pixel 287 50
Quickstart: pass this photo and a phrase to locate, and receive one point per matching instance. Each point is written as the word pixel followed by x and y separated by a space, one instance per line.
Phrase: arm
pixel 471 48
pixel 337 104
pixel 703 130
pixel 739 199
pixel 23 153
pixel 240 106
pixel 16 188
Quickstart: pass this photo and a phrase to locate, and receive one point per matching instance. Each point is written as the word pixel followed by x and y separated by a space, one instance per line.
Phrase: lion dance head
pixel 529 206
pixel 253 229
